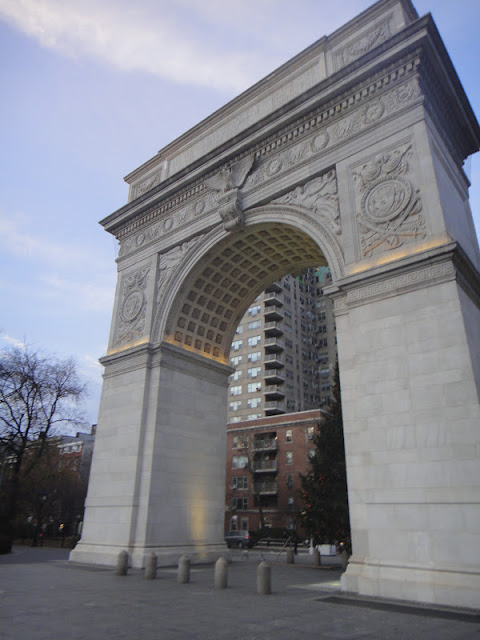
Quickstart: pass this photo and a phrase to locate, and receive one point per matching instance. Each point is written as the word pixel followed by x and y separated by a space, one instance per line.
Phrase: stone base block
pixel 445 587
pixel 168 556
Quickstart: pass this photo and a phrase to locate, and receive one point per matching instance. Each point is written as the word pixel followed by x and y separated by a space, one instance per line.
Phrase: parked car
pixel 239 539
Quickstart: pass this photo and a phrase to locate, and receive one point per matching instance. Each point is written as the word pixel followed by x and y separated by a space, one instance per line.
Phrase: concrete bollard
pixel 264 583
pixel 122 564
pixel 184 570
pixel 290 556
pixel 316 558
pixel 221 574
pixel 151 566
pixel 344 558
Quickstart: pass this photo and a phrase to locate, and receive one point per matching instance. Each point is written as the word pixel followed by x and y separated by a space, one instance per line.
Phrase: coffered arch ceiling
pixel 218 290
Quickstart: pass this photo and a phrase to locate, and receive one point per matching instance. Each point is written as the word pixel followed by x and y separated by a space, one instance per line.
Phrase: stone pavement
pixel 44 597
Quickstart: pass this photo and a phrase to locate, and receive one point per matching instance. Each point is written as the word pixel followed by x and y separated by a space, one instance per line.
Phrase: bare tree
pixel 39 393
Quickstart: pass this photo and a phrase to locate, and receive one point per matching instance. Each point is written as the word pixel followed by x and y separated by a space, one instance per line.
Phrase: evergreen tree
pixel 324 487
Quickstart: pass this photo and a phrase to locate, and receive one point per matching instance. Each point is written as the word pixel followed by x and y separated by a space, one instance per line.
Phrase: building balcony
pixel 273 299
pixel 265 466
pixel 266 488
pixel 275 407
pixel 273 376
pixel 273 361
pixel 273 329
pixel 265 444
pixel 274 392
pixel 273 314
pixel 275 287
pixel 273 345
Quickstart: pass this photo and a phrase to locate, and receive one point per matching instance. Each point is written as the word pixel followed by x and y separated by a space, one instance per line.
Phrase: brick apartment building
pixel 264 460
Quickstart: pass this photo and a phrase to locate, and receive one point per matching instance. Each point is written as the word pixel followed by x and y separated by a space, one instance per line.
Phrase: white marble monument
pixel 349 155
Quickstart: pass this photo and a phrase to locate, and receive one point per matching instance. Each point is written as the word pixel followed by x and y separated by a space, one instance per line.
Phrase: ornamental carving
pixel 170 223
pixel 320 196
pixel 322 137
pixel 389 211
pixel 142 187
pixel 227 182
pixel 169 260
pixel 133 307
pixel 364 44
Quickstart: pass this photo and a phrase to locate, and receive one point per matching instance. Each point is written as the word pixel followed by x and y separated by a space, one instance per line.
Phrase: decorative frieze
pixel 363 44
pixel 389 207
pixel 326 131
pixel 132 308
pixel 393 285
pixel 145 185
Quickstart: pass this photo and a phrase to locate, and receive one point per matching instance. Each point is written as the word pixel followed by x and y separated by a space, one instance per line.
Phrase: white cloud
pixel 131 37
pixel 214 44
pixel 13 341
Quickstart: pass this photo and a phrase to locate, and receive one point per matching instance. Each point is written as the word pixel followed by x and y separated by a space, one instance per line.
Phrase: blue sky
pixel 91 89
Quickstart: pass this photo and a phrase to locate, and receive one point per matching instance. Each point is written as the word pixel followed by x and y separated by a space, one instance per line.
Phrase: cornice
pixel 433 266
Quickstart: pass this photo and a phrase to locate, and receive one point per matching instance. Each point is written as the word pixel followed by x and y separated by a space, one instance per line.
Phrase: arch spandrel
pixel 211 288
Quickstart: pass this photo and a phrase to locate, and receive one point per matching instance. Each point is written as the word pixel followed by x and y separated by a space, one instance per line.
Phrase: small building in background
pixel 265 458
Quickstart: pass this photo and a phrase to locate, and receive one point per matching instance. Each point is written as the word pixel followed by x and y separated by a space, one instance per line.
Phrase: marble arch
pixel 352 154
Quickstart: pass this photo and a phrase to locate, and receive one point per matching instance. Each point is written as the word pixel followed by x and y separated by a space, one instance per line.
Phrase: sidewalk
pixel 44 597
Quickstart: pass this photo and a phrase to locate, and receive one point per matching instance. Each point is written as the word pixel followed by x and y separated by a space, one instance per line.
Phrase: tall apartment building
pixel 284 350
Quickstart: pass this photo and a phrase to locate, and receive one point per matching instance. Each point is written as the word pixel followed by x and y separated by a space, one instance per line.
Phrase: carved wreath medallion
pixel 131 318
pixel 390 211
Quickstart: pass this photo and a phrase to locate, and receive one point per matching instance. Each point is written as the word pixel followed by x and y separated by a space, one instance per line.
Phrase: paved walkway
pixel 44 597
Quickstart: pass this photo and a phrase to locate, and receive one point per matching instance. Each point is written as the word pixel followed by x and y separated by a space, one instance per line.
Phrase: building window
pixel 289 457
pixel 240 482
pixel 254 372
pixel 311 454
pixel 254 340
pixel 253 387
pixel 240 442
pixel 235 405
pixel 255 324
pixel 290 481
pixel 237 344
pixel 236 390
pixel 239 462
pixel 236 375
pixel 255 356
pixel 240 504
pixel 239 329
pixel 235 360
pixel 288 435
pixel 290 502
pixel 244 524
pixel 310 433
pixel 254 416
pixel 255 310
pixel 253 403
pixel 235 419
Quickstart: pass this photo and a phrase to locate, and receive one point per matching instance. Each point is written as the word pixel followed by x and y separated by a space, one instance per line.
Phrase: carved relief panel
pixel 388 203
pixel 132 307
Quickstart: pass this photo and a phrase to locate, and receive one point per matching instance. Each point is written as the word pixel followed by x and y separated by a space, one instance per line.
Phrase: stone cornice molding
pixel 128 359
pixel 147 356
pixel 431 267
pixel 191 363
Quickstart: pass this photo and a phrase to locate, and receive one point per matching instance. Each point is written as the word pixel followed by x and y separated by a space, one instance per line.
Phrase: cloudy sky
pixel 91 89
